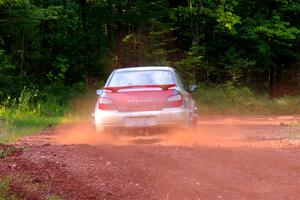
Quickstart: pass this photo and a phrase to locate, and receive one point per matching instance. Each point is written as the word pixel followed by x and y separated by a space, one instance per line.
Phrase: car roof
pixel 144 68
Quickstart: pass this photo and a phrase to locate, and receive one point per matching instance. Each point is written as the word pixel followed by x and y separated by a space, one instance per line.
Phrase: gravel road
pixel 227 158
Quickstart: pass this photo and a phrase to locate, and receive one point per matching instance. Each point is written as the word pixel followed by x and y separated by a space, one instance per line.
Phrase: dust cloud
pixel 212 131
pixel 84 133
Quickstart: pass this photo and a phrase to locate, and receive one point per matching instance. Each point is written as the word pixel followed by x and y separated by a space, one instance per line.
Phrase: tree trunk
pixel 43 46
pixel 22 52
pixel 109 27
pixel 83 6
pixel 271 82
pixel 136 52
pixel 119 36
pixel 119 46
pixel 195 31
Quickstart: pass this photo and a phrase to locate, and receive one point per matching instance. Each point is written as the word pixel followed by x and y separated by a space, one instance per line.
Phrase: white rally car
pixel 144 97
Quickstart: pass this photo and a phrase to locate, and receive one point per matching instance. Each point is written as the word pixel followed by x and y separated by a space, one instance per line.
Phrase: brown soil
pixel 227 158
pixel 9 150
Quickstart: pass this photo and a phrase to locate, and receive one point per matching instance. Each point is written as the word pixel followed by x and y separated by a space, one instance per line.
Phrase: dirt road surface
pixel 227 158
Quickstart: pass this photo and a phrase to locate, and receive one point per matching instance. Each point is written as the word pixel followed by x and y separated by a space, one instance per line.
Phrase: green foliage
pixel 193 61
pixel 225 15
pixel 6 74
pixel 29 113
pixel 34 110
pixel 60 67
pixel 51 45
pixel 240 41
pixel 229 99
pixel 5 152
pixel 147 49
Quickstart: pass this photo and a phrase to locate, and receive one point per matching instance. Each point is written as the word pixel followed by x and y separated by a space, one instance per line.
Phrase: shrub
pixel 230 99
pixel 28 113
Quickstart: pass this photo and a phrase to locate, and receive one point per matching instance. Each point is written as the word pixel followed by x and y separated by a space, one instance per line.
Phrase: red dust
pixel 212 131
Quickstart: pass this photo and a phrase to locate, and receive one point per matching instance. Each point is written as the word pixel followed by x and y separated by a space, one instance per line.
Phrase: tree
pixel 270 35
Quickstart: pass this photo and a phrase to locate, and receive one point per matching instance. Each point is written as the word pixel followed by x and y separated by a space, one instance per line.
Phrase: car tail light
pixel 174 101
pixel 105 104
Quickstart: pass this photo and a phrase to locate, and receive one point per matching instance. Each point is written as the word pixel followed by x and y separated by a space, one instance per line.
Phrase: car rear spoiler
pixel 163 87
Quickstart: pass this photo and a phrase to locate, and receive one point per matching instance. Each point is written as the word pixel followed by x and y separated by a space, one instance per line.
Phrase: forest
pixel 243 55
pixel 53 44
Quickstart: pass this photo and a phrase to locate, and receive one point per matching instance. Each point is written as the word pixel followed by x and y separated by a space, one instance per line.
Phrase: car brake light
pixel 105 104
pixel 174 101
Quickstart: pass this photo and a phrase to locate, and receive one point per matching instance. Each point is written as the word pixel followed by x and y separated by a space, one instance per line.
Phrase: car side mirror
pixel 193 88
pixel 99 92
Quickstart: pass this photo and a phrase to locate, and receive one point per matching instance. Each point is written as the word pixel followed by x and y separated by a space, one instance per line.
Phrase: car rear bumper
pixel 162 118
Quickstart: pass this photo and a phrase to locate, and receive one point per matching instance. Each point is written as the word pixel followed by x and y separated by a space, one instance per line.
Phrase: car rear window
pixel 149 77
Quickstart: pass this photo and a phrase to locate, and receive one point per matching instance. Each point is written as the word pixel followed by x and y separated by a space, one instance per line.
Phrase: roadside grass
pixel 53 197
pixel 27 114
pixel 228 99
pixel 294 129
pixel 36 110
pixel 5 152
pixel 5 193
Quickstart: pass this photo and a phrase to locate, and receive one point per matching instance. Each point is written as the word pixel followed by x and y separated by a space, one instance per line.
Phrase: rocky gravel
pixel 227 158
